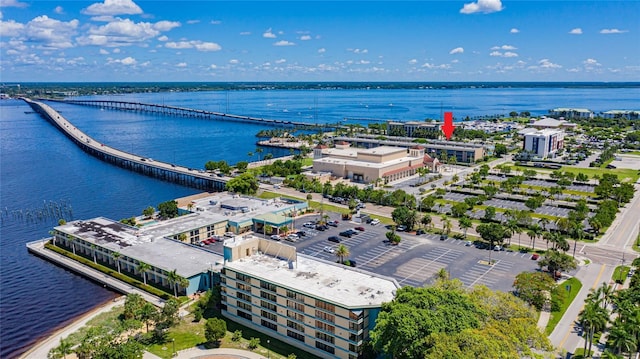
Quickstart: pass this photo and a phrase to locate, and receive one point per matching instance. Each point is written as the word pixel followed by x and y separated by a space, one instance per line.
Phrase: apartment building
pixel 320 307
pixel 544 143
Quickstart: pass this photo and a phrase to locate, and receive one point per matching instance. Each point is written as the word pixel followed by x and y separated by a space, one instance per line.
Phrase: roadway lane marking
pixel 595 284
pixel 425 265
pixel 485 273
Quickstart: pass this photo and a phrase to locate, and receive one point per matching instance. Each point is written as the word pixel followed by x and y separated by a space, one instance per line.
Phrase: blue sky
pixel 483 40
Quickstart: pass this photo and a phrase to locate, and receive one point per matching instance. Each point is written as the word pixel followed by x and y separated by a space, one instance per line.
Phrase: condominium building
pixel 321 307
pixel 543 143
pixel 414 129
pixel 571 113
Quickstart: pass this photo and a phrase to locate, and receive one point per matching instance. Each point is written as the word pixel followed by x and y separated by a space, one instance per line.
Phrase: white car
pixel 329 249
pixel 292 237
pixel 375 221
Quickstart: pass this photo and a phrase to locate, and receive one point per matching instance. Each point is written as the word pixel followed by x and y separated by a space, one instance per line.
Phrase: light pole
pixel 173 341
pixel 268 352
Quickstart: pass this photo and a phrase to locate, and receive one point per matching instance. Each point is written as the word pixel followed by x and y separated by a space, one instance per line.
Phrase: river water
pixel 43 176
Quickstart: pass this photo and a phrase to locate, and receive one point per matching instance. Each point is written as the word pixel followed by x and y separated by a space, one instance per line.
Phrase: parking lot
pixel 416 259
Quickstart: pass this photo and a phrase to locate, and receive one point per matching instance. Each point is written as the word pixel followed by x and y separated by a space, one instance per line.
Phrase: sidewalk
pixel 201 352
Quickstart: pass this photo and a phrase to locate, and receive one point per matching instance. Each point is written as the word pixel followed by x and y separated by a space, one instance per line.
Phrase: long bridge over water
pixel 166 171
pixel 189 112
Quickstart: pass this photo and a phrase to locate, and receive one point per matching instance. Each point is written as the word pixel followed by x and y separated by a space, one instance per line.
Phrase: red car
pixel 535 256
pixel 361 229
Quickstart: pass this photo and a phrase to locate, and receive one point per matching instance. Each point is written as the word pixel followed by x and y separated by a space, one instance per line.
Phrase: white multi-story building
pixel 324 308
pixel 544 143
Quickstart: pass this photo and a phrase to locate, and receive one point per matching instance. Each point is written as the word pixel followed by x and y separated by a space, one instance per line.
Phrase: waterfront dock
pixel 171 172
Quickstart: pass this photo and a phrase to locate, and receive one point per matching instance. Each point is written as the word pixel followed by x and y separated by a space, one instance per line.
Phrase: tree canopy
pixel 246 183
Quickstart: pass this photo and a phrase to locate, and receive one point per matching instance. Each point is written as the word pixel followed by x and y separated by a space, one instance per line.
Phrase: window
pixel 268 296
pixel 294 335
pixel 325 316
pixel 242 286
pixel 326 337
pixel 268 324
pixel 294 295
pixel 325 347
pixel 296 306
pixel 270 306
pixel 268 286
pixel 244 315
pixel 243 277
pixel 244 306
pixel 326 327
pixel 326 306
pixel 356 326
pixel 295 315
pixel 269 315
pixel 245 297
pixel 297 326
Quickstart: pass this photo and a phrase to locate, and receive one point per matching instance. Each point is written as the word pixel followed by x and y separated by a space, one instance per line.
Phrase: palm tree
pixel 593 318
pixel 259 152
pixel 465 223
pixel 147 313
pixel 250 154
pixel 446 225
pixel 607 292
pixel 173 278
pixel 93 248
pixel 513 227
pixel 342 251
pixel 536 230
pixel 544 222
pixel 621 339
pixel 116 256
pixel 64 348
pixel 73 243
pixel 144 268
pixel 426 220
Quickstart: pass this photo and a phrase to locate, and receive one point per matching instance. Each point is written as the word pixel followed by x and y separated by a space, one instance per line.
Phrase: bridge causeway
pixel 162 170
pixel 189 112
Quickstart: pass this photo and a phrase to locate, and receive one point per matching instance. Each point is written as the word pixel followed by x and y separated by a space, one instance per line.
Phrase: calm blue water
pixel 39 165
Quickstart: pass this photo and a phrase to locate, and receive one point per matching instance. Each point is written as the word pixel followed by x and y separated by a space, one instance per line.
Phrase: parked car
pixel 535 256
pixel 329 249
pixel 375 221
pixel 309 225
pixel 361 229
pixel 275 237
pixel 334 239
pixel 321 228
pixel 401 228
pixel 292 237
pixel 332 223
pixel 346 234
pixel 301 233
pixel 443 237
pixel 420 231
pixel 468 243
pixel 498 248
pixel 351 262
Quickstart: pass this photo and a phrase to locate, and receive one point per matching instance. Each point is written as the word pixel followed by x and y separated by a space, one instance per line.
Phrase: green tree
pixel 405 216
pixel 556 262
pixel 148 212
pixel 144 268
pixel 592 318
pixel 392 237
pixel 132 304
pixel 174 278
pixel 501 150
pixel 342 252
pixel 489 213
pixel 214 330
pixel 168 209
pixel 116 257
pixel 465 223
pixel 459 209
pixel 242 166
pixel 245 183
pixel 534 288
pixel 147 313
pixel 426 220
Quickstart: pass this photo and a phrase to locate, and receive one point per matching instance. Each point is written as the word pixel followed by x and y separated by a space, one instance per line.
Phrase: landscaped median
pixel 561 298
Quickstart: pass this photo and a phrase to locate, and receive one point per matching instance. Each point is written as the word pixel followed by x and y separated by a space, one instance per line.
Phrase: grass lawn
pixel 568 298
pixel 580 354
pixel 620 273
pixel 625 175
pixel 635 244
pixel 107 320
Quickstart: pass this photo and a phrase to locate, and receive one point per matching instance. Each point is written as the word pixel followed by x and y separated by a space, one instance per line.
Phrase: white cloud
pixel 433 66
pixel 305 37
pixel 58 10
pixel 198 45
pixel 13 3
pixel 483 6
pixel 166 25
pixel 126 61
pixel 546 64
pixel 163 38
pixel 181 64
pixel 216 22
pixel 358 51
pixel 51 33
pixel 413 61
pixel 503 54
pixel 322 50
pixel 576 31
pixel 104 52
pixel 10 28
pixel 116 51
pixel 245 33
pixel 234 62
pixel 612 31
pixel 514 31
pixel 457 50
pixel 510 54
pixel 283 43
pixel 113 7
pixel 191 22
pixel 213 66
pixel 455 61
pixel 504 47
pixel 592 62
pixel 268 34
pixel 495 53
pixel 280 61
pixel 125 32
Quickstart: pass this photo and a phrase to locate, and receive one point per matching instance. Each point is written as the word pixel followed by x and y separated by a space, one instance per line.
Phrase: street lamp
pixel 173 341
pixel 268 352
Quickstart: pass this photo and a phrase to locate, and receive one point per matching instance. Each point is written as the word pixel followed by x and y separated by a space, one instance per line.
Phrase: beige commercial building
pixel 367 165
pixel 320 307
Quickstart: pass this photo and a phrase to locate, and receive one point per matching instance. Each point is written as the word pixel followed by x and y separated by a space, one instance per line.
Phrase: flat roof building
pixel 571 113
pixel 543 143
pixel 322 307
